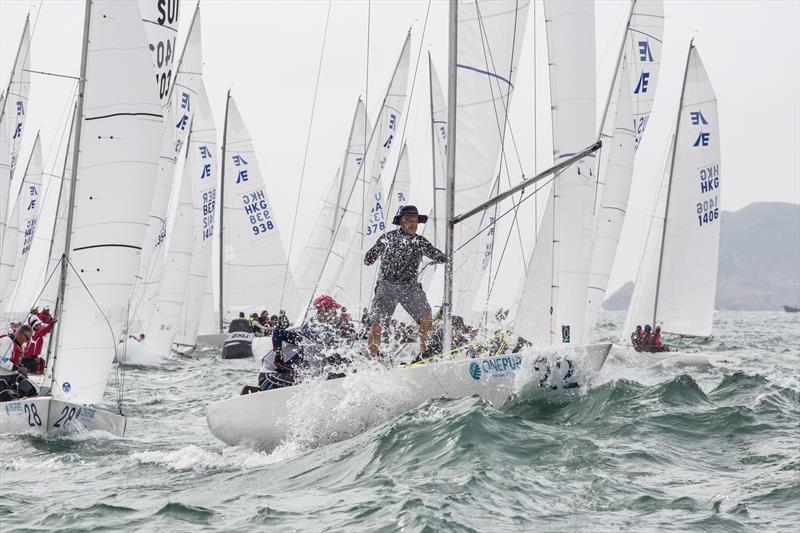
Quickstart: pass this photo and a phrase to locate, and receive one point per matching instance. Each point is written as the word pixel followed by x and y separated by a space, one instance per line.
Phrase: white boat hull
pixel 667 358
pixel 333 410
pixel 44 415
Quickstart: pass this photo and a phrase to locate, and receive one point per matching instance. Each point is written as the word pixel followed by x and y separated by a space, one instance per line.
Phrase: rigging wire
pixel 363 165
pixel 305 153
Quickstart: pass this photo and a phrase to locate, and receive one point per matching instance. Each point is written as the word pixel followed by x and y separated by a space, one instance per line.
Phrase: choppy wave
pixel 669 447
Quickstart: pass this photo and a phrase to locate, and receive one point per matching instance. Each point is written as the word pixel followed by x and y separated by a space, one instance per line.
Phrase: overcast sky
pixel 268 52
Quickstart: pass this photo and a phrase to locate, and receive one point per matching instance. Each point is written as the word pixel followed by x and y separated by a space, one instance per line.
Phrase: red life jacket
pixel 34 347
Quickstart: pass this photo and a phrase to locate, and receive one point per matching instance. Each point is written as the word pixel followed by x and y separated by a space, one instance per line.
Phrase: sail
pixel 21 228
pixel 255 272
pixel 118 151
pixel 161 26
pixel 178 112
pixel 59 233
pixel 490 36
pixel 571 50
pixel 201 166
pixel 12 121
pixel 434 229
pixel 686 277
pixel 400 191
pixel 312 260
pixel 631 104
pixel 348 211
pixel 354 291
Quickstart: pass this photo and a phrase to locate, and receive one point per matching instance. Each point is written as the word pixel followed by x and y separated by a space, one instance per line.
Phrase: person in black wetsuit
pixel 400 252
pixel 239 341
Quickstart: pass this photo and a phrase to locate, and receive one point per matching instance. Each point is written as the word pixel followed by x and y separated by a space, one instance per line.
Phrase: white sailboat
pixel 114 165
pixel 253 272
pixel 629 104
pixel 339 408
pixel 13 110
pixel 677 279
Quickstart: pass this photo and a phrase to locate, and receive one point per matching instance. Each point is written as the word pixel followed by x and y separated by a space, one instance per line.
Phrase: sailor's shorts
pixel 409 295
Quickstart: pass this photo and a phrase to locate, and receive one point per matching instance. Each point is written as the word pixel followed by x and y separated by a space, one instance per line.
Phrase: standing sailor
pixel 400 252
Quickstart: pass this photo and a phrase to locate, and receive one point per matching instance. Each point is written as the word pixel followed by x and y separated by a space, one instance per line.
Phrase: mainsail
pixel 490 36
pixel 552 303
pixel 254 272
pixel 628 111
pixel 13 109
pixel 434 229
pixel 161 26
pixel 400 190
pixel 114 165
pixel 21 227
pixel 677 280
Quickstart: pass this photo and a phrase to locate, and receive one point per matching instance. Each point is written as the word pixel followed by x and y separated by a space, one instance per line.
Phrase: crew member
pixel 239 340
pixel 31 359
pixel 636 337
pixel 401 251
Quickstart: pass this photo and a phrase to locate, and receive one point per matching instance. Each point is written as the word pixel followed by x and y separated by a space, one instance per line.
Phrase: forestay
pixel 553 299
pixel 490 36
pixel 631 102
pixel 684 275
pixel 254 263
pixel 21 229
pixel 201 167
pixel 13 110
pixel 118 150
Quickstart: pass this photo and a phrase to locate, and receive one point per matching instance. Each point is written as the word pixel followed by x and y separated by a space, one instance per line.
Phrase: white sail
pixel 315 252
pixel 348 211
pixel 684 272
pixel 209 321
pixel 21 228
pixel 118 151
pixel 59 233
pixel 160 19
pixel 354 290
pixel 631 102
pixel 178 112
pixel 490 36
pixel 201 166
pixel 255 272
pixel 13 111
pixel 434 229
pixel 558 287
pixel 400 191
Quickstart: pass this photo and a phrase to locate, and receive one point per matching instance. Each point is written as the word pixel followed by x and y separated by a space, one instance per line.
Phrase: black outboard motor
pixel 239 341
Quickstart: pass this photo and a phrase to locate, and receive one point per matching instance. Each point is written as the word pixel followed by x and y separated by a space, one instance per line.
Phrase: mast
pixel 433 150
pixel 222 212
pixel 452 95
pixel 669 184
pixel 76 151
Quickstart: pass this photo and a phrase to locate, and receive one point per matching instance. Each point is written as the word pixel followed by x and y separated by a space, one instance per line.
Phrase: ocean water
pixel 642 448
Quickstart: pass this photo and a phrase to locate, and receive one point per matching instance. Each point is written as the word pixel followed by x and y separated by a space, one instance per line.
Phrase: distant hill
pixel 759 260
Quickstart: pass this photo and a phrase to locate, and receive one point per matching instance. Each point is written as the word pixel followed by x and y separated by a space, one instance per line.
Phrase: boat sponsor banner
pixel 239 336
pixel 495 367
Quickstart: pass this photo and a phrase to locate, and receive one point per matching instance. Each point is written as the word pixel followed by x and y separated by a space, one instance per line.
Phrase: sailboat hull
pixel 334 410
pixel 48 416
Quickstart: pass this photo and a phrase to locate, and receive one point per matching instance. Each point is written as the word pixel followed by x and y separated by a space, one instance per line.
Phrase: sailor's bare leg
pixel 425 323
pixel 374 339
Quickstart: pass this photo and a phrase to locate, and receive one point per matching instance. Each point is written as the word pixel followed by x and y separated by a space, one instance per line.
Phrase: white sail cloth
pixel 13 110
pixel 677 281
pixel 201 166
pixel 490 36
pixel 118 160
pixel 628 113
pixel 161 26
pixel 552 303
pixel 255 273
pixel 400 190
pixel 21 229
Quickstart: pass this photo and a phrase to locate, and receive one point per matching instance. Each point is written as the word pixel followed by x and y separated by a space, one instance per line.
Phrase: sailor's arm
pixel 377 249
pixel 431 252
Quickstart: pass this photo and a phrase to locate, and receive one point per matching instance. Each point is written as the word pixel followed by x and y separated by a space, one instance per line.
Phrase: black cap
pixel 409 210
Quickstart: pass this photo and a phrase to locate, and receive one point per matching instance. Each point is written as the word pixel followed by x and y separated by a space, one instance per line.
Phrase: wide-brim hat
pixel 409 210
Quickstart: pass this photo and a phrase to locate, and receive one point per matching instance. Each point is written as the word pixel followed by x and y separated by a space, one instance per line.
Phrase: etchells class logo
pixel 66 387
pixel 475 371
